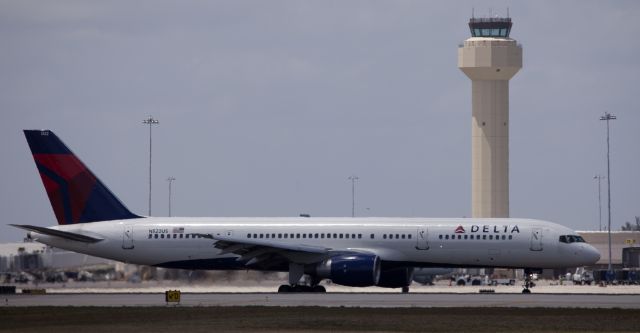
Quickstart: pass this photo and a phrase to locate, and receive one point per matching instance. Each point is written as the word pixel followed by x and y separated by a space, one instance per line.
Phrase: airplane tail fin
pixel 75 193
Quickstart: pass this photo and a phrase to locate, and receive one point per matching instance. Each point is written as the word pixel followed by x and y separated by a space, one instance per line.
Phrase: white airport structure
pixel 33 256
pixel 490 59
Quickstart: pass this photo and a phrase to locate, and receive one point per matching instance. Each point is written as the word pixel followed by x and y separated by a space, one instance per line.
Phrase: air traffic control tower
pixel 490 59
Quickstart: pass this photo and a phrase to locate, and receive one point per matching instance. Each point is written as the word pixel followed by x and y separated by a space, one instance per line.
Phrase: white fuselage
pixel 179 242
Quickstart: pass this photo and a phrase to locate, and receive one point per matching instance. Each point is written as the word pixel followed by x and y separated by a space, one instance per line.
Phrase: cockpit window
pixel 571 239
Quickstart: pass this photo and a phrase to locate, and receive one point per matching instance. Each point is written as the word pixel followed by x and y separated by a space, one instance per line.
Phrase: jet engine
pixel 353 270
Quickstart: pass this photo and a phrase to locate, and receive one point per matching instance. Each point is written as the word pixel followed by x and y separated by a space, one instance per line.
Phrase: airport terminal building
pixel 625 248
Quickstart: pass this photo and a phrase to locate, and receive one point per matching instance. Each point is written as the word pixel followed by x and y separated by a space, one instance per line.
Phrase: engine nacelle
pixel 353 270
pixel 396 277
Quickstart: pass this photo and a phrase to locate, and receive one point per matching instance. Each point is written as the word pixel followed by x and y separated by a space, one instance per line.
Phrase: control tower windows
pixel 490 27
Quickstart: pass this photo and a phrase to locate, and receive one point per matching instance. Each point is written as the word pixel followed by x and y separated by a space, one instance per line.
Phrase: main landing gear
pixel 296 271
pixel 299 288
pixel 528 281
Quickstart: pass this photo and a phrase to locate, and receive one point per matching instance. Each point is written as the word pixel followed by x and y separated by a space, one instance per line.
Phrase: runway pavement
pixel 373 300
pixel 270 286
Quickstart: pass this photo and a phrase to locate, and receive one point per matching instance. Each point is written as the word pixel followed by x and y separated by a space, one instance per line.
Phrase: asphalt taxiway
pixel 371 300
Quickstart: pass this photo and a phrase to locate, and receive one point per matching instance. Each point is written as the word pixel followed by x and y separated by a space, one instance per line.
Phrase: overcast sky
pixel 267 107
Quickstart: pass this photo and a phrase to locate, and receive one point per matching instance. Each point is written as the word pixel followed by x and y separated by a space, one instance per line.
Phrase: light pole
pixel 599 177
pixel 170 180
pixel 608 116
pixel 353 179
pixel 150 121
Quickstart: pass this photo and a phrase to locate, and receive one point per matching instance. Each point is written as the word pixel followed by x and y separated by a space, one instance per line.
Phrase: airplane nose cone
pixel 592 255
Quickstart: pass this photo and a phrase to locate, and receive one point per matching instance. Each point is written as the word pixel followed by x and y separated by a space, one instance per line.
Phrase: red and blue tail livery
pixel 75 193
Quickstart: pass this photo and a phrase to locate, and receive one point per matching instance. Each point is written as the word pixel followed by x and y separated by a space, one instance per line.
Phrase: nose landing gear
pixel 528 280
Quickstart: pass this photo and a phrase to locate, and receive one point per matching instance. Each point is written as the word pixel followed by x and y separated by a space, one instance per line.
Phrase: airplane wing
pixel 58 233
pixel 267 253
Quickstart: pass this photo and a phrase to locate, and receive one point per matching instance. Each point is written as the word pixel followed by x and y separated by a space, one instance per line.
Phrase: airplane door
pixel 422 239
pixel 127 237
pixel 536 239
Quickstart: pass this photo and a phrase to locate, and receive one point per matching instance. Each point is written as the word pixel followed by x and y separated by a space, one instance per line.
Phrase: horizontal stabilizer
pixel 58 233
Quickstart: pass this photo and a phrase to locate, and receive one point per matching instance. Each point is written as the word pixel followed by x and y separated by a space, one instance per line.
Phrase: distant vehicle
pixel 582 276
pixel 85 276
pixel 23 277
pixel 502 281
pixel 629 276
pixel 355 252
pixel 474 280
pixel 56 277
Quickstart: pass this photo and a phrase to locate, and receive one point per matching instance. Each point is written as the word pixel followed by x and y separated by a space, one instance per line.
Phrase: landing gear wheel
pixel 526 291
pixel 300 288
pixel 405 290
pixel 319 289
pixel 285 288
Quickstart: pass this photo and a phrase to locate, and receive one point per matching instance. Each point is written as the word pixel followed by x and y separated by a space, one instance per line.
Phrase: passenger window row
pixel 289 235
pixel 324 235
pixel 397 236
pixel 304 235
pixel 476 237
pixel 174 236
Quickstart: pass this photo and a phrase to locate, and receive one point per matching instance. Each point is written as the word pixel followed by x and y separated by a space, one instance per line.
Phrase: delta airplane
pixel 358 252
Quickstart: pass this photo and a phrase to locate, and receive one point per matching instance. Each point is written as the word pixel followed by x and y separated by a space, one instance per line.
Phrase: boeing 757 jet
pixel 357 252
